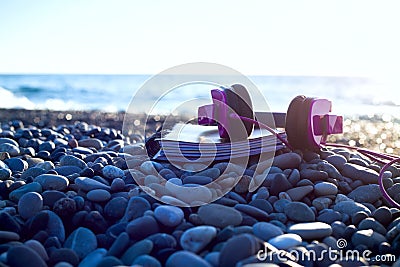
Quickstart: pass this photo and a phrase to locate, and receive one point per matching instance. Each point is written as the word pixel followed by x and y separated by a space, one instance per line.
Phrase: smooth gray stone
pixel 70 160
pixel 186 258
pixel 356 172
pixel 82 241
pixel 287 161
pixel 238 248
pixel 266 231
pixel 22 256
pixel 299 212
pixel 311 230
pixel 197 238
pixel 170 216
pixel 30 204
pixel 368 237
pixel 88 184
pixel 219 216
pixel 366 193
pixel 139 248
pixel 52 181
pixel 350 207
pixel 112 172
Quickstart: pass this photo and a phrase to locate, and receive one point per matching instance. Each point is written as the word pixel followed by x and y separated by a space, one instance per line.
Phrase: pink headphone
pixel 307 124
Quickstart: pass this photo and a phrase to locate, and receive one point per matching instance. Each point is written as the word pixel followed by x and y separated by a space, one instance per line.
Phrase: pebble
pixel 91 142
pixel 311 230
pixel 190 194
pixel 186 258
pixel 371 223
pixel 69 160
pixel 88 184
pixel 213 173
pixel 137 206
pixel 82 241
pixel 321 203
pixel 366 193
pixel 16 164
pixel 146 260
pixel 279 184
pixel 5 174
pixel 337 160
pixel 30 204
pixel 8 236
pixel 139 248
pixel 38 248
pixel 298 193
pixel 112 172
pixel 286 241
pixel 350 207
pixel 93 258
pixel 52 182
pixel 115 208
pixel 142 227
pixel 11 149
pixel 299 212
pixel 238 248
pixel 197 179
pixel 325 188
pixel 266 231
pixel 383 215
pixel 170 216
pixel 287 161
pixel 219 216
pixel 197 238
pixel 356 172
pixel 98 195
pixel 30 257
pixel 368 237
pixel 18 193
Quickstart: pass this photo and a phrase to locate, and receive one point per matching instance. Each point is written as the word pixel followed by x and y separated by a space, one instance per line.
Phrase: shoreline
pixel 372 132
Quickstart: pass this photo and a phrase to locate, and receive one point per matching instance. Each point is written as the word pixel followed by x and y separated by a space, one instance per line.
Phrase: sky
pixel 299 37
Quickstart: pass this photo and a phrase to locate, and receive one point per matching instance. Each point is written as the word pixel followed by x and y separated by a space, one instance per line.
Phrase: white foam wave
pixel 9 100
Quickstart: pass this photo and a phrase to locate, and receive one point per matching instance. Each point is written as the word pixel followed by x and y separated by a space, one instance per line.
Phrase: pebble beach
pixel 68 198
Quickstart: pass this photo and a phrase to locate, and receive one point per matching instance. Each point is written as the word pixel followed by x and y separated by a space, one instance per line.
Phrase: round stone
pixel 286 241
pixel 170 216
pixel 112 172
pixel 5 174
pixel 139 248
pixel 88 184
pixel 298 193
pixel 142 227
pixel 186 258
pixel 299 212
pixel 52 182
pixel 383 215
pixel 21 256
pixel 98 195
pixel 16 164
pixel 70 160
pixel 325 188
pixel 366 193
pixel 116 207
pixel 82 241
pixel 266 231
pixel 10 149
pixel 30 204
pixel 91 142
pixel 146 260
pixel 350 207
pixel 368 237
pixel 219 216
pixel 311 230
pixel 287 161
pixel 38 248
pixel 197 238
pixel 336 160
pixel 238 248
pixel 136 208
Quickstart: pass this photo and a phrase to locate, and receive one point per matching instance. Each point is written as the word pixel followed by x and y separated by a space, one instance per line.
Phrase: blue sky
pixel 299 37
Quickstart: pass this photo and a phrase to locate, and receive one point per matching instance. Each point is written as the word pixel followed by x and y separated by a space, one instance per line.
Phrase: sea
pixel 350 96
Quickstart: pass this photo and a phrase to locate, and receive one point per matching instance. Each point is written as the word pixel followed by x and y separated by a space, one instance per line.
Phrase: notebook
pixel 190 142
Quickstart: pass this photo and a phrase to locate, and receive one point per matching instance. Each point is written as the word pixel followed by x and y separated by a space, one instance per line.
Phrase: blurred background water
pixel 349 95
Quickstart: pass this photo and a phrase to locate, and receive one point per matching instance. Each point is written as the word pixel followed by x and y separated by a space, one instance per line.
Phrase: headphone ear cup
pixel 293 130
pixel 238 99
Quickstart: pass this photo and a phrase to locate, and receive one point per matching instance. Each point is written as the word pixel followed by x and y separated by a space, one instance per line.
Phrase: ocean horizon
pixel 113 93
